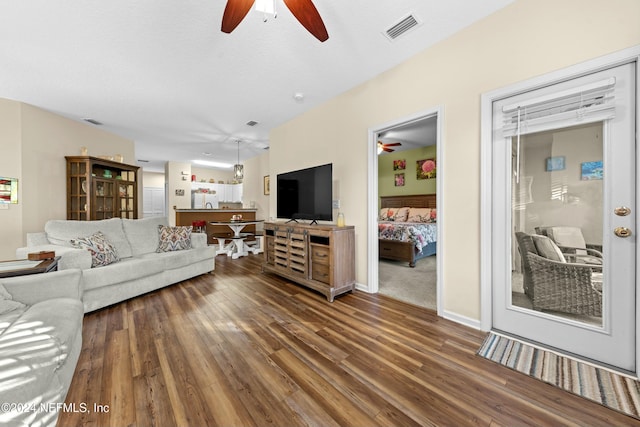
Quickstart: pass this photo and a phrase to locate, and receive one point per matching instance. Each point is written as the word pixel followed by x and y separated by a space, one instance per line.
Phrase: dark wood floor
pixel 239 348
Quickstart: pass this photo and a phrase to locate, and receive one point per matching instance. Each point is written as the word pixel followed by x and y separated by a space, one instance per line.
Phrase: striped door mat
pixel 608 388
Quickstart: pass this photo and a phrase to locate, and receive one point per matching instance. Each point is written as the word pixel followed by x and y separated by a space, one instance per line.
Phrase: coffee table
pixel 21 267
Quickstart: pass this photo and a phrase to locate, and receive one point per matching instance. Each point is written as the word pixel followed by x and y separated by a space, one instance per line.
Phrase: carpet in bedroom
pixel 412 285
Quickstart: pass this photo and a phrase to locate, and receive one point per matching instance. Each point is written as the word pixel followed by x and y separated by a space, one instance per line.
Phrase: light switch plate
pixel 336 204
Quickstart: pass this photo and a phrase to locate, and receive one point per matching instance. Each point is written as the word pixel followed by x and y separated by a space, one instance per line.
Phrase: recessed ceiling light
pixel 298 97
pixel 212 164
pixel 252 123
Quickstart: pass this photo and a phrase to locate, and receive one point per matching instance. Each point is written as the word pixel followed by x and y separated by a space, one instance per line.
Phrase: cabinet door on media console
pixel 321 257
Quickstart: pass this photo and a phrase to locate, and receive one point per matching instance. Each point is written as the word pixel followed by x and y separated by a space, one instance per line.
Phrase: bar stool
pixel 199 226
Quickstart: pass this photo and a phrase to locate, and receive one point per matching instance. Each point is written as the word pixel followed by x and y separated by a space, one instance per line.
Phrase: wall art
pixel 426 169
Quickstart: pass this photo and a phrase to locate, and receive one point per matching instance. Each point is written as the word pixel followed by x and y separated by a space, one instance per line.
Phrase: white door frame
pixel 372 211
pixel 486 140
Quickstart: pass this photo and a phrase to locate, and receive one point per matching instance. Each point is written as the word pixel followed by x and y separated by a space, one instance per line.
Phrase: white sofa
pixel 140 269
pixel 40 343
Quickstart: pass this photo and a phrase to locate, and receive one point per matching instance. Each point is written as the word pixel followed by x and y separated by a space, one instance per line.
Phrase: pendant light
pixel 238 169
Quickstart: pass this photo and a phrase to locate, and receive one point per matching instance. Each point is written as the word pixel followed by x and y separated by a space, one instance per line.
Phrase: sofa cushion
pixel 142 234
pixel 126 270
pixel 179 259
pixel 101 250
pixel 7 303
pixel 174 238
pixel 547 249
pixel 35 345
pixel 60 232
pixel 56 319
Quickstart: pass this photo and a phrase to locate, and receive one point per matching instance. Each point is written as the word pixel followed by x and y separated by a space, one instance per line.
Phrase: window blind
pixel 589 103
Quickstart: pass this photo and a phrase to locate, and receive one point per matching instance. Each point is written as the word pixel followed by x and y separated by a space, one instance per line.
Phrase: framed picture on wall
pixel 267 185
pixel 8 190
pixel 399 179
pixel 426 169
pixel 555 163
pixel 591 170
pixel 399 164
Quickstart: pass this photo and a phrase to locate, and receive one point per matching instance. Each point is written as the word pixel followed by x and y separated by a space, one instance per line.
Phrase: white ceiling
pixel 417 133
pixel 161 73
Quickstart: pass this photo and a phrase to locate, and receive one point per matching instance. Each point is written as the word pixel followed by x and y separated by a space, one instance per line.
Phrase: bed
pixel 407 238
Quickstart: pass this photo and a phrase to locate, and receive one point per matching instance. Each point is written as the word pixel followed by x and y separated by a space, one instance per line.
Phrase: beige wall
pixel 526 39
pixel 36 144
pixel 178 190
pixel 208 173
pixel 11 167
pixel 153 179
pixel 253 196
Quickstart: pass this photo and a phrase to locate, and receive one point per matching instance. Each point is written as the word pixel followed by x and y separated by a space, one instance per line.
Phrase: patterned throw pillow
pixel 102 251
pixel 174 238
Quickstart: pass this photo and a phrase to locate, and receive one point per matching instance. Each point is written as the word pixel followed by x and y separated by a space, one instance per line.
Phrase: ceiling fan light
pixel 266 6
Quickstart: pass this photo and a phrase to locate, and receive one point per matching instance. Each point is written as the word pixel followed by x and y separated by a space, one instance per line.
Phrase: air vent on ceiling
pixel 92 121
pixel 252 123
pixel 143 161
pixel 402 27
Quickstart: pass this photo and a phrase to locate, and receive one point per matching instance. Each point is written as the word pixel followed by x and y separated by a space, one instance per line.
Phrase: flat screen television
pixel 306 194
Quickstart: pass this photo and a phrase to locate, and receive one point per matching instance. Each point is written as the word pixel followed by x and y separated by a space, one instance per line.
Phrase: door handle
pixel 622 231
pixel 622 211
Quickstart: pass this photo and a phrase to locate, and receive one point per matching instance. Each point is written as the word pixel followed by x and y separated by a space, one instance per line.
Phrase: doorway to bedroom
pixel 406 210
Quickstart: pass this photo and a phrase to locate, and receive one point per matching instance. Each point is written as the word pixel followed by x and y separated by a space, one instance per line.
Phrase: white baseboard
pixel 363 288
pixel 467 321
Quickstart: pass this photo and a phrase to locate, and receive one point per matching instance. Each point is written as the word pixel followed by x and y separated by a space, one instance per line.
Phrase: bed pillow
pixel 101 250
pixel 401 215
pixel 174 238
pixel 387 214
pixel 419 215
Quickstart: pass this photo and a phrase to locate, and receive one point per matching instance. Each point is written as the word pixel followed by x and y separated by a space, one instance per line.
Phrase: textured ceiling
pixel 162 74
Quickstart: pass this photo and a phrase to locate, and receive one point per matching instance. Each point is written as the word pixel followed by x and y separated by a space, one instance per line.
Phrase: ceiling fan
pixel 304 11
pixel 385 147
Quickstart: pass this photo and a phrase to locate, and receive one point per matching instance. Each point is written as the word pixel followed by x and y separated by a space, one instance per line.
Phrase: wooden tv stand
pixel 320 257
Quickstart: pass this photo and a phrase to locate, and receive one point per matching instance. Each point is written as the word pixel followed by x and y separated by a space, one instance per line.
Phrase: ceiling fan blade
pixel 388 150
pixel 234 13
pixel 393 144
pixel 307 14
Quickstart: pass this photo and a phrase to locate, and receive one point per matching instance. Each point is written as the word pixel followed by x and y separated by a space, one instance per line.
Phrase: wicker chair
pixel 557 285
pixel 572 244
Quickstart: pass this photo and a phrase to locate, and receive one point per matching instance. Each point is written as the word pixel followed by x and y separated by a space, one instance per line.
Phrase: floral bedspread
pixel 420 234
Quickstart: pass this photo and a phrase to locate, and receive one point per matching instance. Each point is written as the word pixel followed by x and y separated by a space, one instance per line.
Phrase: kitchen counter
pixel 188 216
